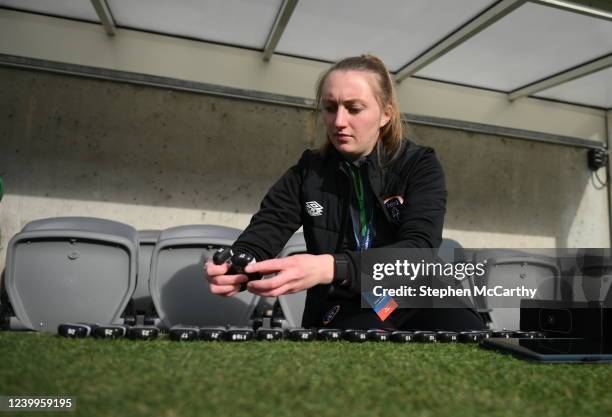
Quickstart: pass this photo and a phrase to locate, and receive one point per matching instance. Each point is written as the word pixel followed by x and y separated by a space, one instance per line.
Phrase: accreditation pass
pixel 37 402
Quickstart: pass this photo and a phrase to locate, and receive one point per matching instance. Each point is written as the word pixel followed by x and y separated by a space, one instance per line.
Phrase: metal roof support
pixel 105 15
pixel 562 77
pixel 601 9
pixel 282 18
pixel 476 25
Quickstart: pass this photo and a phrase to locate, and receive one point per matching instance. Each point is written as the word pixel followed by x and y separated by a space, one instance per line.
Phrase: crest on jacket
pixel 314 209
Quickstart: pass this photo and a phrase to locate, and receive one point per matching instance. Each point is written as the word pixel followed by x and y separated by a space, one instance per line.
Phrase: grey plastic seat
pixel 292 305
pixel 143 304
pixel 592 278
pixel 451 251
pixel 510 268
pixel 179 290
pixel 69 269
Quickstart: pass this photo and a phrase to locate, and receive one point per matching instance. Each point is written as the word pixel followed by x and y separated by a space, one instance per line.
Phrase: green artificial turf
pixel 165 378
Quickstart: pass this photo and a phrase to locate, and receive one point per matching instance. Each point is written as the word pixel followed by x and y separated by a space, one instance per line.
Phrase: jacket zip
pixel 345 207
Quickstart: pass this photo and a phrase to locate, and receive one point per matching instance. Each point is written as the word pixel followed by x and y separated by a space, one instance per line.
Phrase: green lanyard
pixel 356 174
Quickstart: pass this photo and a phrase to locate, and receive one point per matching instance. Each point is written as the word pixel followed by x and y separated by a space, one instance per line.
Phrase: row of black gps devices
pixel 240 334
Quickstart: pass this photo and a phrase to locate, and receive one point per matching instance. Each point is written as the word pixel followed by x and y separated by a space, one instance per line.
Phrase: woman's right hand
pixel 221 284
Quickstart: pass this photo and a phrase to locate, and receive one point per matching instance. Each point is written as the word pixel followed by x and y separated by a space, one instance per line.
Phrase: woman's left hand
pixel 294 273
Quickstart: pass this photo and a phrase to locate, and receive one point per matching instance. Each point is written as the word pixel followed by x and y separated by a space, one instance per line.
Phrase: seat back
pixel 69 269
pixel 592 280
pixel 509 269
pixel 177 284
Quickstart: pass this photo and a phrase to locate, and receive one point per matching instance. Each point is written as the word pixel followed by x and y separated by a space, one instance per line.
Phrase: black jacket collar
pixel 372 160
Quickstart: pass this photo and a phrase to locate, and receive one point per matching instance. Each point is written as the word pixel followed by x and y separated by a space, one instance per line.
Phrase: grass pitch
pixel 166 378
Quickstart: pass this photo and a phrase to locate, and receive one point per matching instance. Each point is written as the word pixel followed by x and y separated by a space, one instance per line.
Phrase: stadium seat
pixel 177 284
pixel 511 268
pixel 592 277
pixel 70 269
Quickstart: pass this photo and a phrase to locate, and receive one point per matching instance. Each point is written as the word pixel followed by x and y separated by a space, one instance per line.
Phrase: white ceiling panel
pixel 76 9
pixel 395 30
pixel 529 44
pixel 593 90
pixel 234 22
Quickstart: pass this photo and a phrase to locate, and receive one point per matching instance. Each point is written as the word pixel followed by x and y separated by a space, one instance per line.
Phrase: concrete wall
pixel 155 158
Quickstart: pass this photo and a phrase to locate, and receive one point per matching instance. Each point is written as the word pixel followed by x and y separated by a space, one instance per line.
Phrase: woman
pixel 366 187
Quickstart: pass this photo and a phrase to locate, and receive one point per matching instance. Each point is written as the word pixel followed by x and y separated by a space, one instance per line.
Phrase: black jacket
pixel 316 193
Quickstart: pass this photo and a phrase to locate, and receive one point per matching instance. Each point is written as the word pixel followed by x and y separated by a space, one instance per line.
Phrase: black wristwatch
pixel 341 271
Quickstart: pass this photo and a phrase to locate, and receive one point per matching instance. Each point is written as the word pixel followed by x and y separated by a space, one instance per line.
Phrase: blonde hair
pixel 391 135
